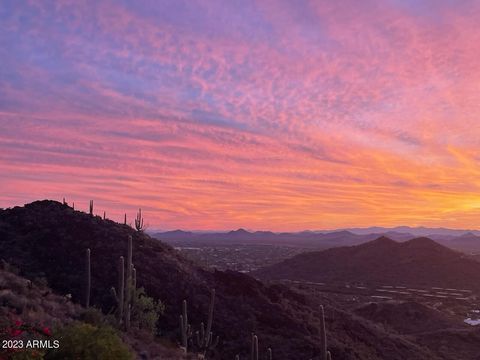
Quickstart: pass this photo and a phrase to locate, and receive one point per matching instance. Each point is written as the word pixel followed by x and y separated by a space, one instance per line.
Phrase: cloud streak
pixel 270 115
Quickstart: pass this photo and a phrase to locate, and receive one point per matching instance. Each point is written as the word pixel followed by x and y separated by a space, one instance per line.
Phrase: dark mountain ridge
pixel 417 262
pixel 244 237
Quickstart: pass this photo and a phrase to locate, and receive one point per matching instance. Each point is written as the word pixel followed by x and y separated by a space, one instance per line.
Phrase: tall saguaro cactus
pixel 204 338
pixel 125 219
pixel 324 353
pixel 134 286
pixel 139 221
pixel 185 328
pixel 91 207
pixel 121 286
pixel 210 314
pixel 88 279
pixel 128 285
pixel 120 297
pixel 254 349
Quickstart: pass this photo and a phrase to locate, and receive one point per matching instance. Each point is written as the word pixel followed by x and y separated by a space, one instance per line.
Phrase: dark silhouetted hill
pixel 46 239
pixel 417 262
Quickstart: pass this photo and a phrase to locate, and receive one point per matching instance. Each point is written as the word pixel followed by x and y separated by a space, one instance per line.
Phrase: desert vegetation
pixel 95 276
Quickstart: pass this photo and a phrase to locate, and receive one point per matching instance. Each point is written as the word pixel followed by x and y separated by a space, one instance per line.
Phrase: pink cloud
pixel 298 116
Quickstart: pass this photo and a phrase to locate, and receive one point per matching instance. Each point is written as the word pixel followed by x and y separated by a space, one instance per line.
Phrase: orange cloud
pixel 271 115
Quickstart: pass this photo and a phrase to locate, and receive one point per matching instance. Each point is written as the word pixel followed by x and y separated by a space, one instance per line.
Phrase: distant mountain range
pixel 415 231
pixel 417 262
pixel 463 240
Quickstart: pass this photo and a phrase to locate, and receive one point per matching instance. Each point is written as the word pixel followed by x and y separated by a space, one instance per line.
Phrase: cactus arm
pixel 210 315
pixel 185 328
pixel 114 293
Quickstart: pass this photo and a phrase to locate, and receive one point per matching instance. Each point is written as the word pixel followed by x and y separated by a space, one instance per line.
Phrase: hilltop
pixel 417 262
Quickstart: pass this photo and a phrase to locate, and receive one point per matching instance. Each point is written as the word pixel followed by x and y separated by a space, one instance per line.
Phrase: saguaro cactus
pixel 254 349
pixel 134 285
pixel 139 221
pixel 88 280
pixel 128 285
pixel 91 207
pixel 104 215
pixel 204 338
pixel 125 219
pixel 205 341
pixel 120 296
pixel 185 328
pixel 324 354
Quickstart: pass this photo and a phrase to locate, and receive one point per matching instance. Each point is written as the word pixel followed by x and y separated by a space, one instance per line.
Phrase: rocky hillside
pixel 31 310
pixel 46 241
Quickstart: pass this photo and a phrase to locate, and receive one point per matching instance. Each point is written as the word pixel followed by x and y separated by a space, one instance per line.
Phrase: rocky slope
pixel 47 240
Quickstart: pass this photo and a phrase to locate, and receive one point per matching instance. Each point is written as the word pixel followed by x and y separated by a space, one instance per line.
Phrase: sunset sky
pixel 279 115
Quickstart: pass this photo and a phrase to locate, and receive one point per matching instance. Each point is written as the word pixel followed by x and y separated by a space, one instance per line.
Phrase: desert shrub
pixel 9 267
pixel 92 316
pixel 95 317
pixel 14 283
pixel 88 342
pixel 11 300
pixel 40 281
pixel 146 311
